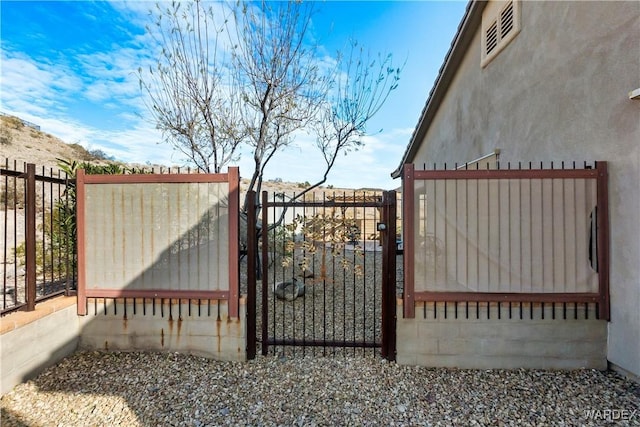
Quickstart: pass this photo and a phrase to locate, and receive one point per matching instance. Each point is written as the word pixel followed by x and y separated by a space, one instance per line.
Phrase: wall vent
pixel 492 37
pixel 500 24
pixel 506 20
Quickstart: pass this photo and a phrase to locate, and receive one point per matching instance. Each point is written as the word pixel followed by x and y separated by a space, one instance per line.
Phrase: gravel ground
pixel 167 389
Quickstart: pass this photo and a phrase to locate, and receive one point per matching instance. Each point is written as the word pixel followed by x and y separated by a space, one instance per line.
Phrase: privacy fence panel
pixel 158 236
pixel 506 235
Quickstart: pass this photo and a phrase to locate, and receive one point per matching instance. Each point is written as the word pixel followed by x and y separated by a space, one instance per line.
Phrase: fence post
pixel 80 219
pixel 602 220
pixel 234 243
pixel 252 249
pixel 388 350
pixel 30 237
pixel 265 272
pixel 408 239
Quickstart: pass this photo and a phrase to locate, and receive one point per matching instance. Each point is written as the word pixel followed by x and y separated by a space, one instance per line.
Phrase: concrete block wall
pixel 204 331
pixel 32 341
pixel 491 340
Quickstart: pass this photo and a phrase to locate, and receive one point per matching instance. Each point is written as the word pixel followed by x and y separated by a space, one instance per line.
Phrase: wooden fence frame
pixel 231 295
pixel 410 296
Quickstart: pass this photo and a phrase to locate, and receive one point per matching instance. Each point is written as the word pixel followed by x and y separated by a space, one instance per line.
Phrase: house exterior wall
pixel 559 92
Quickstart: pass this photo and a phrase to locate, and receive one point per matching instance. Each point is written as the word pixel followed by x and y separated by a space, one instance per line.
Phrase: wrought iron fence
pixel 38 249
pixel 328 275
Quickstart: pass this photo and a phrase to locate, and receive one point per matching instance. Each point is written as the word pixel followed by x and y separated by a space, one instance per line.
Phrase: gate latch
pixel 382 226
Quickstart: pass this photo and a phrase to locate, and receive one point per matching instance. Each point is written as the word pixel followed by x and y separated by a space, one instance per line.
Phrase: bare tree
pixel 272 86
pixel 361 86
pixel 186 94
pixel 282 85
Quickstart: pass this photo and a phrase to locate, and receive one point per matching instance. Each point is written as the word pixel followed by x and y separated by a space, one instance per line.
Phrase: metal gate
pixel 322 274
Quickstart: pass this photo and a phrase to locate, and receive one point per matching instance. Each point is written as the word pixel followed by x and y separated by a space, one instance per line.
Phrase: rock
pixel 289 290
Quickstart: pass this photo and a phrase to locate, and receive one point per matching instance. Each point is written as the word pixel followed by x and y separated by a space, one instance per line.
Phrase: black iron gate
pixel 321 274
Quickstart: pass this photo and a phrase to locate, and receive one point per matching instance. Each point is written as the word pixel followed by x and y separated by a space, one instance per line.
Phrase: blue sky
pixel 69 66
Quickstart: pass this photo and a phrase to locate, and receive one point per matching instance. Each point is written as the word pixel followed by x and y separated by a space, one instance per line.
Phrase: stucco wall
pixel 558 92
pixel 205 330
pixel 572 339
pixel 31 341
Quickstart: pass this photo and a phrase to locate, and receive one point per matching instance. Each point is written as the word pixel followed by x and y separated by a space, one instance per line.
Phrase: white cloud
pixel 47 85
pixel 108 80
pixel 369 167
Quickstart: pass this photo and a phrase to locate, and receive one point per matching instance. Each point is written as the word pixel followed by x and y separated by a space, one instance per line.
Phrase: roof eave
pixel 466 31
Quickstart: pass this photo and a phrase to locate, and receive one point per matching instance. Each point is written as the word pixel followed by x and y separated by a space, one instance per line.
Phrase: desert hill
pixel 25 143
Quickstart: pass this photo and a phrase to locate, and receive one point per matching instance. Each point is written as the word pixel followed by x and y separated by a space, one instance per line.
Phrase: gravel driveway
pixel 166 389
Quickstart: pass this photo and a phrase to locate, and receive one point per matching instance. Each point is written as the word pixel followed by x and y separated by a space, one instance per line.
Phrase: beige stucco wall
pixel 31 341
pixel 558 92
pixel 486 340
pixel 205 330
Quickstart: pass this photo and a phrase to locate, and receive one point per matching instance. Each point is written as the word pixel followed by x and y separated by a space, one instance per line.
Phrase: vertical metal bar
pixel 51 230
pixel 293 281
pixel 80 224
pixel 252 248
pixel 388 327
pixel 324 279
pixel 542 231
pixel 234 241
pixel 344 285
pixel 332 236
pixel 59 230
pixel 283 275
pixel 364 285
pixel 477 185
pixel 5 235
pixel 353 289
pixel 509 215
pixel 602 220
pixel 575 231
pixel 313 295
pixel 15 232
pixel 30 237
pixel 408 214
pixel 304 280
pixel 378 214
pixel 553 235
pixel 265 273
pixel 44 238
